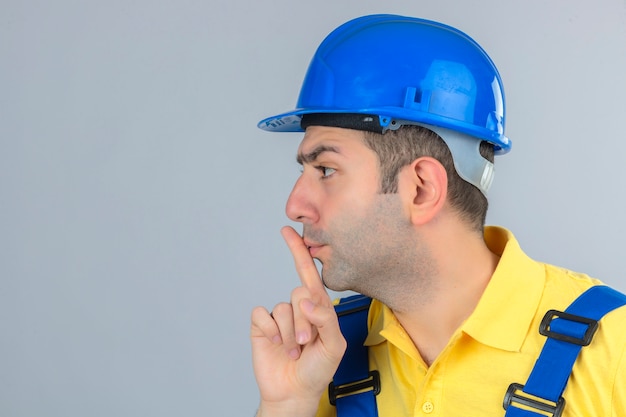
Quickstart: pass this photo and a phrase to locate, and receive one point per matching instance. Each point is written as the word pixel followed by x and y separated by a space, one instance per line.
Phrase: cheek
pixel 360 221
pixel 341 201
pixel 349 197
pixel 358 195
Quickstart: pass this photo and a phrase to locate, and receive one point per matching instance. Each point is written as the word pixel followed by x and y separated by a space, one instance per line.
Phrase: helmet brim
pixel 290 122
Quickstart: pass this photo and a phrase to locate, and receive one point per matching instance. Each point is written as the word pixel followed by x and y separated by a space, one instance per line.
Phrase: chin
pixel 338 278
pixel 334 286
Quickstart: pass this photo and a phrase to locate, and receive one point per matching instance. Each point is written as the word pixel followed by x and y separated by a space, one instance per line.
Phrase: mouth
pixel 313 247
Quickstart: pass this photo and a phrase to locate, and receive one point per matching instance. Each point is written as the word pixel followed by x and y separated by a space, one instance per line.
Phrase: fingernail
pixel 302 338
pixel 294 353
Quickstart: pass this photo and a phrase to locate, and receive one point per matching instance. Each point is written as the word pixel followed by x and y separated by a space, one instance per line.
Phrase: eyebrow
pixel 309 157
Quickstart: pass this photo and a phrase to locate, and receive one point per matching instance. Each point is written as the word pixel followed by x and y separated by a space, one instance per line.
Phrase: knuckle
pixel 282 309
pixel 299 293
pixel 259 318
pixel 257 312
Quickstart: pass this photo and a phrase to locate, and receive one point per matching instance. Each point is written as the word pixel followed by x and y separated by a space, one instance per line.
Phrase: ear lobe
pixel 425 185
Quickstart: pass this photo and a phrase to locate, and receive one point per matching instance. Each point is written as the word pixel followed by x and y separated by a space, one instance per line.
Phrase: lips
pixel 313 247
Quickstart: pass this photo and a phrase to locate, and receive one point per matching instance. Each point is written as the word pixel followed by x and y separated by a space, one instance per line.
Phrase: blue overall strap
pixel 354 388
pixel 567 333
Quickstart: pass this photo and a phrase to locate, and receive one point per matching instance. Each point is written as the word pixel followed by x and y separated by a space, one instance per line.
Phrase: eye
pixel 325 171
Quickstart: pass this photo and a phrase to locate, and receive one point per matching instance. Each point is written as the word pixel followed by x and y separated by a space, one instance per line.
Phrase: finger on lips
pixel 305 266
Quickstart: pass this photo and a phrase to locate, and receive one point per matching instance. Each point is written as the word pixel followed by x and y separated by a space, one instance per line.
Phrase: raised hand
pixel 297 347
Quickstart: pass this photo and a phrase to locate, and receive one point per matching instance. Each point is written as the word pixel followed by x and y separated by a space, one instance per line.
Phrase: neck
pixel 462 266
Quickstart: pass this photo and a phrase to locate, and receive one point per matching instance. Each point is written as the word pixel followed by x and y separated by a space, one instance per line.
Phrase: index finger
pixel 305 266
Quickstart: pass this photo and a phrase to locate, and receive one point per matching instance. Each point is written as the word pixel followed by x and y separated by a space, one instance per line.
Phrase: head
pixel 420 90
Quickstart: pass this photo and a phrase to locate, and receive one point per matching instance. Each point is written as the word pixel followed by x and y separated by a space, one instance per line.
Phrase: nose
pixel 300 204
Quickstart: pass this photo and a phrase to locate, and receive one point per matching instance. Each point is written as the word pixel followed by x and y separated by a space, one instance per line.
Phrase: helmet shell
pixel 403 69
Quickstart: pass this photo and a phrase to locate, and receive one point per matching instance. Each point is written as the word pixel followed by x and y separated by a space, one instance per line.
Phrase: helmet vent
pixel 413 98
pixel 418 96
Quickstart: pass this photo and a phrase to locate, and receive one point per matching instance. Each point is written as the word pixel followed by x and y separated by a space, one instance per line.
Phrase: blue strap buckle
pixel 514 395
pixel 545 328
pixel 373 382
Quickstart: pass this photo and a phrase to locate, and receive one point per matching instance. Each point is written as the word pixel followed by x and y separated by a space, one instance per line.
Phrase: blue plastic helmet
pixel 403 70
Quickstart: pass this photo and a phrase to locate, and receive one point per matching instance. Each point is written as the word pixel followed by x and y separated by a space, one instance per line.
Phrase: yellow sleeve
pixel 618 399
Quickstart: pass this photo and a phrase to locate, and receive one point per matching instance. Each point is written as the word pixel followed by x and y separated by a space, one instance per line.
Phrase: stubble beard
pixel 377 254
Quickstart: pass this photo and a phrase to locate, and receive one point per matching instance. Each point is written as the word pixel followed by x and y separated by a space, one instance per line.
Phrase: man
pixel 402 118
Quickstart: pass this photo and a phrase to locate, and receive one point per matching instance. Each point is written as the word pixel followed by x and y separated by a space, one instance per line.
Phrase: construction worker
pixel 402 119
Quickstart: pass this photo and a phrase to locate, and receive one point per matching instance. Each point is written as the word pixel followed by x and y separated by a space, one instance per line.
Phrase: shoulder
pixel 598 378
pixel 562 286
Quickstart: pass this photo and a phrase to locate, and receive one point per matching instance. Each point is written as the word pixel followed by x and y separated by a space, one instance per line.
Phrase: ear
pixel 424 187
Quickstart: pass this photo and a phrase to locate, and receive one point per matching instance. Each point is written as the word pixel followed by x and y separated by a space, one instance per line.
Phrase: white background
pixel 140 206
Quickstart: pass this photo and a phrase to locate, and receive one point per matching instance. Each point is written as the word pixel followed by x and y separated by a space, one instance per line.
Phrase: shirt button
pixel 428 407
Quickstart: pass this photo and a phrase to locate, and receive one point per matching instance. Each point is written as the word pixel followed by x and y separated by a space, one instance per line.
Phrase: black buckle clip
pixel 544 328
pixel 372 381
pixel 513 395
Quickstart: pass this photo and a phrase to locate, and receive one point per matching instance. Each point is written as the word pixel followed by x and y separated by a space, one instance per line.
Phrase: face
pixel 364 239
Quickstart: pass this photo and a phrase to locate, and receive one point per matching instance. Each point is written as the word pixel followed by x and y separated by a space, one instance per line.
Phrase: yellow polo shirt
pixel 497 345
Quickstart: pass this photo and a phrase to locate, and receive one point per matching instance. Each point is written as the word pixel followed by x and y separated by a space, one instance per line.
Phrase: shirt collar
pixel 384 325
pixel 507 307
pixel 380 318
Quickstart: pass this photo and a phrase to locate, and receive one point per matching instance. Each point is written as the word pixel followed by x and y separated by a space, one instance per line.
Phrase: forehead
pixel 344 141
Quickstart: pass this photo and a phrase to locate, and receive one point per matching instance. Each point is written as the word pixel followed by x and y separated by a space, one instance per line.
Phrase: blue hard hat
pixel 401 70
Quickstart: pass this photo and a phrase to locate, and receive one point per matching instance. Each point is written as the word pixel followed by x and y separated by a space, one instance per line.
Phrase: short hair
pixel 398 148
